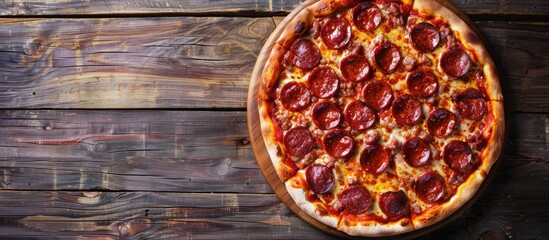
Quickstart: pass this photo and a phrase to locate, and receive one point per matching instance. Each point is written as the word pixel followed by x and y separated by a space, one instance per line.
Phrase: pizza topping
pixel 338 143
pixel 471 104
pixel 355 68
pixel 425 37
pixel 304 54
pixel 387 57
pixel 336 32
pixel 366 16
pixel 422 83
pixel 430 187
pixel 374 159
pixel 457 155
pixel 455 62
pixel 298 141
pixel 394 204
pixel 406 110
pixel 409 63
pixel 377 95
pixel 326 115
pixel 323 82
pixel 320 178
pixel 416 152
pixel 441 122
pixel 355 199
pixel 295 96
pixel 359 116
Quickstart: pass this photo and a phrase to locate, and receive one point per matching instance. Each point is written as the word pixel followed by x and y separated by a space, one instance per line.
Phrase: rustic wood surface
pixel 127 119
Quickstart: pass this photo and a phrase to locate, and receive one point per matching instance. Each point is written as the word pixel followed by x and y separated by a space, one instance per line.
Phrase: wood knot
pixel 48 128
pixel 36 47
pixel 245 141
pixel 101 147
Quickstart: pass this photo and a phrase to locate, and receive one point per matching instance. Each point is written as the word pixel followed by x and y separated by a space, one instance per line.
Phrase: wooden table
pixel 127 119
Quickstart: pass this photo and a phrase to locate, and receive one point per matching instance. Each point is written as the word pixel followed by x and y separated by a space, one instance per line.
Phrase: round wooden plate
pixel 264 161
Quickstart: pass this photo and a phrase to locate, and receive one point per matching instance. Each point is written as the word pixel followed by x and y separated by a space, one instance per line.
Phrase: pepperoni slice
pixel 320 178
pixel 336 33
pixel 416 152
pixel 359 116
pixel 323 82
pixel 387 57
pixel 374 159
pixel 326 115
pixel 394 204
pixel 471 104
pixel 355 68
pixel 422 83
pixel 377 95
pixel 425 36
pixel 457 155
pixel 430 187
pixel 295 96
pixel 298 141
pixel 441 122
pixel 455 62
pixel 338 143
pixel 355 199
pixel 406 110
pixel 305 54
pixel 366 16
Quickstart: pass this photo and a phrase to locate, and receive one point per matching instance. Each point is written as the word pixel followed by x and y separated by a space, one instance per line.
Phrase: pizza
pixel 381 117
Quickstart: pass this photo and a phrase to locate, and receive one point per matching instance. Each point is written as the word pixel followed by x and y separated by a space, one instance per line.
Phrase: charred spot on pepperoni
pixel 425 37
pixel 374 159
pixel 323 82
pixel 366 16
pixel 430 187
pixel 441 122
pixel 416 152
pixel 336 32
pixel 338 143
pixel 377 94
pixel 394 204
pixel 355 68
pixel 406 110
pixel 298 141
pixel 326 115
pixel 455 62
pixel 295 96
pixel 422 83
pixel 358 115
pixel 320 178
pixel 305 54
pixel 355 199
pixel 471 104
pixel 458 155
pixel 387 57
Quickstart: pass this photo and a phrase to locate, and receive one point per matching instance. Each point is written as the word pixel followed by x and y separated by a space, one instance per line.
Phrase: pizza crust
pixel 374 229
pixel 471 41
pixel 463 194
pixel 495 135
pixel 325 8
pixel 311 209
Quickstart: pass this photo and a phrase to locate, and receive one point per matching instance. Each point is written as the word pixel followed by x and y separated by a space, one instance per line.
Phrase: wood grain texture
pixel 192 151
pixel 145 215
pixel 128 63
pixel 87 7
pixel 186 63
pixel 142 215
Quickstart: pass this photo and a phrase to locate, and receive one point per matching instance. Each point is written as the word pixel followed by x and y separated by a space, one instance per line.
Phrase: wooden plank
pixel 84 7
pixel 142 215
pixel 111 215
pixel 128 63
pixel 192 151
pixel 191 62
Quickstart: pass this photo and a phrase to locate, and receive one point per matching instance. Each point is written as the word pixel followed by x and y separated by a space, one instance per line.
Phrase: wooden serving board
pixel 263 158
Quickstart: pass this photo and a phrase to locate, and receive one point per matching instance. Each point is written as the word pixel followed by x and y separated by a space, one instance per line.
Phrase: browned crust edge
pixel 495 134
pixel 471 41
pixel 326 7
pixel 375 229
